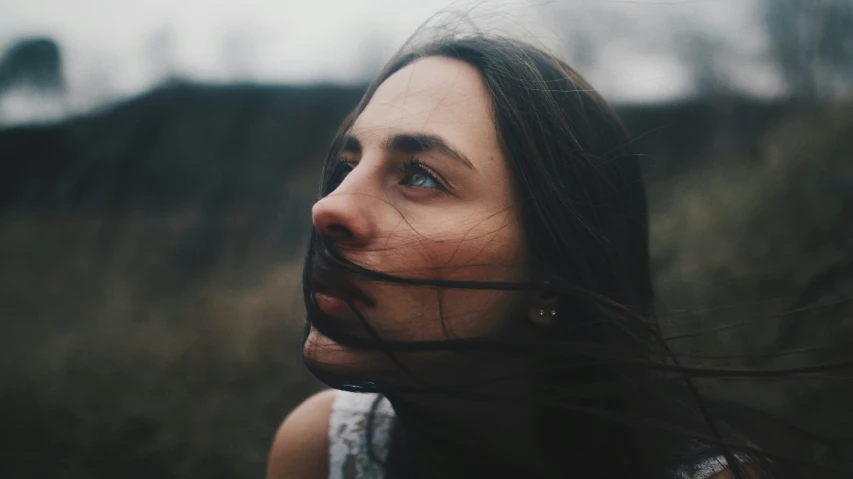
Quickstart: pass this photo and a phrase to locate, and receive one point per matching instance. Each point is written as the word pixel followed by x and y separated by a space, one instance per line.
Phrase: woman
pixel 478 288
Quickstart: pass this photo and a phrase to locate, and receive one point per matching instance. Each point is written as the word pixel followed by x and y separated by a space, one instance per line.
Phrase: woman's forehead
pixel 437 96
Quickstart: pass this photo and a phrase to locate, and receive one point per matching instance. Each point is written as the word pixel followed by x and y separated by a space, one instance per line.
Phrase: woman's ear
pixel 543 309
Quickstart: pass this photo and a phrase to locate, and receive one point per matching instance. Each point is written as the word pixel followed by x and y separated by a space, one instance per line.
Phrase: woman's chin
pixel 343 367
pixel 322 352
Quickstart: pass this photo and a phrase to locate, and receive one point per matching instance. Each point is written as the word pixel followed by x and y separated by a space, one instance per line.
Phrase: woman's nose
pixel 344 218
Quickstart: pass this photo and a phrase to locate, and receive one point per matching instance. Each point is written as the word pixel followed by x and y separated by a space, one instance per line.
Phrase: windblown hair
pixel 612 400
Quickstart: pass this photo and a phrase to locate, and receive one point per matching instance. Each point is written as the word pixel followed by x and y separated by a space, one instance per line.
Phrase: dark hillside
pixel 180 145
pixel 217 147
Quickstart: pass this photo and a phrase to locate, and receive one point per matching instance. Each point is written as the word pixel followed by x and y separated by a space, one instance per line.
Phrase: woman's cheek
pixel 489 250
pixel 479 314
pixel 486 250
pixel 464 240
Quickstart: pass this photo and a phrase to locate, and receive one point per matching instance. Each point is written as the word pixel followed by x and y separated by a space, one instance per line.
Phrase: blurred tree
pixel 32 63
pixel 812 42
pixel 161 54
pixel 702 52
pixel 239 54
pixel 587 32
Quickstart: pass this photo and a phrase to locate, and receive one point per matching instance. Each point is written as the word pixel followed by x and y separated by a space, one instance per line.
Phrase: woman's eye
pixel 339 175
pixel 422 180
pixel 418 175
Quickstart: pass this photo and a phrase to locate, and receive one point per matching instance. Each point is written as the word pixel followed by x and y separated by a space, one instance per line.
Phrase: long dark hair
pixel 611 399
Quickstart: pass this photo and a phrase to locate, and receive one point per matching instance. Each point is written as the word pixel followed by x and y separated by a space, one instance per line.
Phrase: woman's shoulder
pixel 301 445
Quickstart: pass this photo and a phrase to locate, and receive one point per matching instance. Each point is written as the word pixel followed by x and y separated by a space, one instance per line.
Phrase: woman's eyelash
pixel 414 165
pixel 342 167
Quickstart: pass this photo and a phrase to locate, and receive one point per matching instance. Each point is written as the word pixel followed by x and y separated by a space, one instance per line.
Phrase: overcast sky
pixel 116 48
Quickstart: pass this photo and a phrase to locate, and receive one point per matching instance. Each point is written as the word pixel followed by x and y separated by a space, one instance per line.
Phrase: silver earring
pixel 553 312
pixel 541 312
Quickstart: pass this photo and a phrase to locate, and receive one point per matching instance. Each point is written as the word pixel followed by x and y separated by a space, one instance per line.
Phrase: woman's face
pixel 424 191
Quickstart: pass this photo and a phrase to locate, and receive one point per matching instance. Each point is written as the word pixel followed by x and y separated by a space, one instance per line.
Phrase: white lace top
pixel 349 457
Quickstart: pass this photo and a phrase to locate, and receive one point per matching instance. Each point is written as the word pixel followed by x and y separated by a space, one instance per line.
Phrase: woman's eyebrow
pixel 411 143
pixel 418 142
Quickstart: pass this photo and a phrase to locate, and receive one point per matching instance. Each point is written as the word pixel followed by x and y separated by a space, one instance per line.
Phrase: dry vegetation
pixel 744 237
pixel 748 241
pixel 118 361
pixel 113 365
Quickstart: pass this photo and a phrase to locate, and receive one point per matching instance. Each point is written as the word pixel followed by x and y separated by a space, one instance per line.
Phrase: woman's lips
pixel 335 306
pixel 339 287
